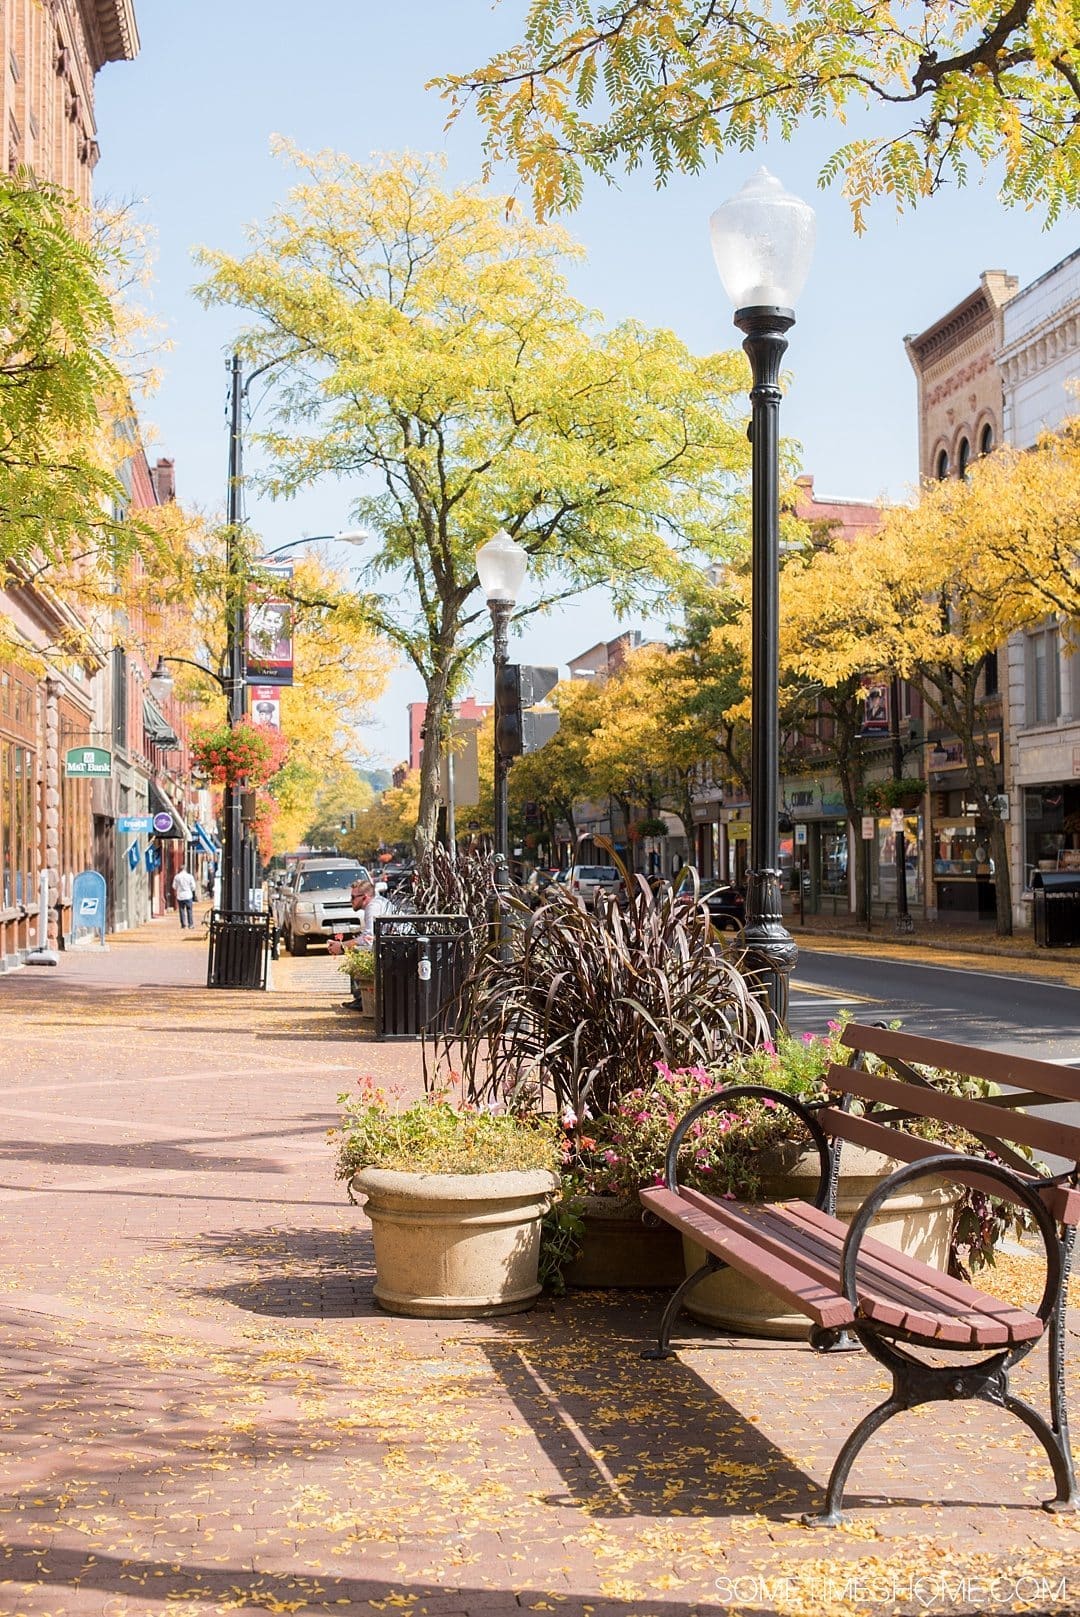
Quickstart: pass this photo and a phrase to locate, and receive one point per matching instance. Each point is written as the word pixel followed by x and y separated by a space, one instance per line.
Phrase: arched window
pixel 986 439
pixel 943 466
pixel 963 455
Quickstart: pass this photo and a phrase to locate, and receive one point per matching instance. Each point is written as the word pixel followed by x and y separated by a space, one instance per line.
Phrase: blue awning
pixel 203 841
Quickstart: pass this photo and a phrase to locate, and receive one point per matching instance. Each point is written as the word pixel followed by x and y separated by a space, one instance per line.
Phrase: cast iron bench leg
pixel 663 1348
pixel 831 1516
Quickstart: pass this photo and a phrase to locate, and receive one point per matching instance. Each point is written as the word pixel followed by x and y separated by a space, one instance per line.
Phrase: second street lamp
pixel 500 567
pixel 763 240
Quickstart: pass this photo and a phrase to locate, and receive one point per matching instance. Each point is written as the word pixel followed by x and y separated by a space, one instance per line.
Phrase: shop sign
pixel 800 836
pixel 134 824
pixel 84 763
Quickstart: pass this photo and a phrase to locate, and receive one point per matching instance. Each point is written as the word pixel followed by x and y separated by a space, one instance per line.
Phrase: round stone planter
pixel 455 1246
pixel 620 1250
pixel 918 1222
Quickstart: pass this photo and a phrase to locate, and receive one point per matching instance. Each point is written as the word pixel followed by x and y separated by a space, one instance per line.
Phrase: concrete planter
pixel 620 1250
pixel 918 1222
pixel 455 1246
pixel 363 992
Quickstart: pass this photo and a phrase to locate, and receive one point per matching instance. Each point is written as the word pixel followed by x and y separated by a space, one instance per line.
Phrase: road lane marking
pixel 836 995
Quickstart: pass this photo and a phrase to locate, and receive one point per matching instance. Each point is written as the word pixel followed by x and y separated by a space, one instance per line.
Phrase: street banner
pixel 875 719
pixel 266 706
pixel 270 643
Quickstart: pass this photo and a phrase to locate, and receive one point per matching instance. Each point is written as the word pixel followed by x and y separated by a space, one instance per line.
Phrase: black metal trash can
pixel 1057 907
pixel 239 949
pixel 420 965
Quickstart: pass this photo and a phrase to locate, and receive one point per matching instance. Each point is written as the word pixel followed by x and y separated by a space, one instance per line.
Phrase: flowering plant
pixel 726 1150
pixel 233 752
pixel 434 1135
pixel 359 963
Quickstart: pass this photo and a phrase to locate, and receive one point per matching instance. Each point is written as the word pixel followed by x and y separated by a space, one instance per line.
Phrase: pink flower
pixel 641 1117
pixel 663 1069
pixel 658 1179
pixel 569 1117
pixel 729 1196
pixel 834 1027
pixel 769 1047
pixel 770 1105
pixel 610 1158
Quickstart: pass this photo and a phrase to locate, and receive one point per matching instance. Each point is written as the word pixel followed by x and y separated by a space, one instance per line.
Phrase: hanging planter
pixel 234 752
pixel 879 796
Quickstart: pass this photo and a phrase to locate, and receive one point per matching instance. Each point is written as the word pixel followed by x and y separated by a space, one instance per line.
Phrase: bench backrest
pixel 999 1121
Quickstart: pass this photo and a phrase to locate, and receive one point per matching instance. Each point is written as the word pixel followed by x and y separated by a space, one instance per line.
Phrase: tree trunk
pixel 427 818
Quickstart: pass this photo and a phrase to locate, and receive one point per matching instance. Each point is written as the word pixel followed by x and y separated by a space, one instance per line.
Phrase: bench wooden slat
pixel 998 1066
pixel 1042 1134
pixel 1019 1324
pixel 803 1247
pixel 1062 1201
pixel 893 1288
pixel 818 1302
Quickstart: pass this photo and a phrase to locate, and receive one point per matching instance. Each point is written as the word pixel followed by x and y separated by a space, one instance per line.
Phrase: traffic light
pixel 518 689
pixel 508 711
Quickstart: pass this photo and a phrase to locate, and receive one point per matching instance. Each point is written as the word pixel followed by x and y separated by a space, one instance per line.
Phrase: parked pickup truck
pixel 316 904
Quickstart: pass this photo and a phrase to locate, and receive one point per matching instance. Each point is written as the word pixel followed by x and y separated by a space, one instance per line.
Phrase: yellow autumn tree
pixel 591 87
pixel 427 346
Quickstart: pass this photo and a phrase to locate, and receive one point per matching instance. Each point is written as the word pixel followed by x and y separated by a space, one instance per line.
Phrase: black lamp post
pixel 762 241
pixel 500 567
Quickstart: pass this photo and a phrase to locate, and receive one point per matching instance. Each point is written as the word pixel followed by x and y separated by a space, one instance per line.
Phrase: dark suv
pixel 725 902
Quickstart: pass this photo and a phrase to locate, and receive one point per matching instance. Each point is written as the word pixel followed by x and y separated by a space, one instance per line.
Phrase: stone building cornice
pixel 112 34
pixel 1053 339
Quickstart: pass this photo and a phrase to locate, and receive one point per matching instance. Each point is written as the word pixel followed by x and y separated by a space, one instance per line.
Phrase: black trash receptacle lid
pixel 1057 881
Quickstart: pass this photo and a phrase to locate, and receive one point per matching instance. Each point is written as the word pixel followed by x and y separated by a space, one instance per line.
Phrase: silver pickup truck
pixel 316 903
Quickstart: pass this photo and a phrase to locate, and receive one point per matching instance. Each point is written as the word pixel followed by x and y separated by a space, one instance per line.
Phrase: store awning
pixel 204 842
pixel 157 726
pixel 160 807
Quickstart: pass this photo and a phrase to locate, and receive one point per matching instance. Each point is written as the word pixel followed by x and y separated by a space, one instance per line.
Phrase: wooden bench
pixel 848 1284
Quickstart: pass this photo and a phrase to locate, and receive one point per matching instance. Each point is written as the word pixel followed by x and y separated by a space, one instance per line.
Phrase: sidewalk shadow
pixel 295 1273
pixel 104 1575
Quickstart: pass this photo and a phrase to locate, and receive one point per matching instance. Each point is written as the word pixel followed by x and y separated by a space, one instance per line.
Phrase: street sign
pixel 869 827
pixel 134 824
pixel 82 763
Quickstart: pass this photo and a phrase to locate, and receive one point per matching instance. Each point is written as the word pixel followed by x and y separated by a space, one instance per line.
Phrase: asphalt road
pixel 991 1008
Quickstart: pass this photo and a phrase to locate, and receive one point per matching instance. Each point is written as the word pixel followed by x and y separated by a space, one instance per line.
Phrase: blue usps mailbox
pixel 88 905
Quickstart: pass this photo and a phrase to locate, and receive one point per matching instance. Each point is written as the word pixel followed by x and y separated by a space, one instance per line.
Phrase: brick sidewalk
pixel 203 1412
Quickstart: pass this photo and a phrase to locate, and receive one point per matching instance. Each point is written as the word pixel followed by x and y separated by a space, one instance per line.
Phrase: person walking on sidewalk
pixel 184 889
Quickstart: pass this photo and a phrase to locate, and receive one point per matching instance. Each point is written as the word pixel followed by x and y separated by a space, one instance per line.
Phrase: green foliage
pixel 994 82
pixel 432 1136
pixel 562 1231
pixel 58 487
pixel 359 963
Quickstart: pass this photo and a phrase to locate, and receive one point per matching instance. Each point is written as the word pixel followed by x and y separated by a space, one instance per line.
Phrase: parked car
pixel 539 885
pixel 725 902
pixel 586 881
pixel 317 903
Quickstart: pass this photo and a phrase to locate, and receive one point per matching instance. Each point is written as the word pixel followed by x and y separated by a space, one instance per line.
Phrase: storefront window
pixel 833 872
pixel 913 875
pixel 1051 829
pixel 962 849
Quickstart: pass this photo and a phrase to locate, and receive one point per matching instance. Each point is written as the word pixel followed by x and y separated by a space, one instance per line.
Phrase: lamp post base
pixel 772 952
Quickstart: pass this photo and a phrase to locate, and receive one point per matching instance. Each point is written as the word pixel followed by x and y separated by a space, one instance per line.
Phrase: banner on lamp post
pixel 266 706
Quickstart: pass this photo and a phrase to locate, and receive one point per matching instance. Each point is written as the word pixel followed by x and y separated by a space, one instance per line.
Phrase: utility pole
pixel 903 917
pixel 234 898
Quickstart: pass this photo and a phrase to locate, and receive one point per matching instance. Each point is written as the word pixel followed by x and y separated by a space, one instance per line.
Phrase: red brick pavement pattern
pixel 203 1412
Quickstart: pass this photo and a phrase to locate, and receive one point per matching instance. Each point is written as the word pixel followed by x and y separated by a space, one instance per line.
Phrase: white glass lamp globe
pixel 763 241
pixel 500 567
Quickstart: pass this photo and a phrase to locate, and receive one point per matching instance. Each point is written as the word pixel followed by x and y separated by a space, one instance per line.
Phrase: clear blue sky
pixel 185 129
